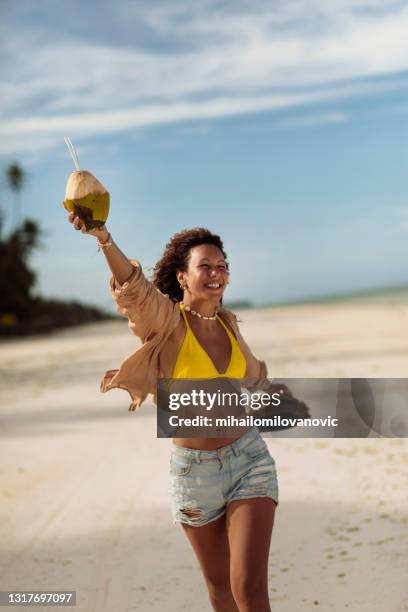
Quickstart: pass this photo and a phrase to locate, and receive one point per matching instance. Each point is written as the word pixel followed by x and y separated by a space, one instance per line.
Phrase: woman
pixel 224 490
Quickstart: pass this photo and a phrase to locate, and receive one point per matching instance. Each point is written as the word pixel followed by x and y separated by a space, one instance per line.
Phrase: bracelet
pixel 106 244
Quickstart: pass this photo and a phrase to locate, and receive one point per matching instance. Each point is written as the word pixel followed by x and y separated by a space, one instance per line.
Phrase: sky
pixel 279 125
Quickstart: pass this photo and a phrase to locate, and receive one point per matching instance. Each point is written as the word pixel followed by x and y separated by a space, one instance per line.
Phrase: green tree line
pixel 21 312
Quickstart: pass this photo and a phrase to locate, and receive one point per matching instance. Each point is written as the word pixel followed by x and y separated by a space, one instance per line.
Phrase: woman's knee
pixel 248 590
pixel 217 583
pixel 219 592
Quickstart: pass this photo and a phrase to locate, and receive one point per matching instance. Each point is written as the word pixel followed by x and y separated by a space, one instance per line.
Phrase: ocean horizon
pixel 395 294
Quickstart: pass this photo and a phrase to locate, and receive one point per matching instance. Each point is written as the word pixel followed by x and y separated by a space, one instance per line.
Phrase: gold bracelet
pixel 106 244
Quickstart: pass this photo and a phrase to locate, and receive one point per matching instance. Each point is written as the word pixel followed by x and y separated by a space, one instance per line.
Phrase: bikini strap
pixel 184 315
pixel 229 332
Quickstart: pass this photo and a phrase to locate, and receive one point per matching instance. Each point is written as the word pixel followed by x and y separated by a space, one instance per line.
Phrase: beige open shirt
pixel 157 321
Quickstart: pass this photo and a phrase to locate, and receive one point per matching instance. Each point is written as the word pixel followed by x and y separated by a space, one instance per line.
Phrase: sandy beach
pixel 84 482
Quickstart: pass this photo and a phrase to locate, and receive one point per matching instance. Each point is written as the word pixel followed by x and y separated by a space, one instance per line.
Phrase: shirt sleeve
pixel 148 310
pixel 258 377
pixel 257 371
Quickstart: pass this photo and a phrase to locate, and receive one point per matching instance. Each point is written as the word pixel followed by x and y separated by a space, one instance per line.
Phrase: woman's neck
pixel 204 307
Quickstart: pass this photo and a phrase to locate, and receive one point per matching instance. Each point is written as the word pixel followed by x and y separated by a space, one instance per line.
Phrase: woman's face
pixel 207 273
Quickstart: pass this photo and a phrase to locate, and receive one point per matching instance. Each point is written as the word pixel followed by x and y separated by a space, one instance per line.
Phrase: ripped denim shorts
pixel 202 483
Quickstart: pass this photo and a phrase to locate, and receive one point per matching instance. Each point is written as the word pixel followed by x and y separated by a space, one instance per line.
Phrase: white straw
pixel 72 152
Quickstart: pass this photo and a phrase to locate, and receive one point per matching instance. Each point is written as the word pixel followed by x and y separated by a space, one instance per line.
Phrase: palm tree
pixel 16 177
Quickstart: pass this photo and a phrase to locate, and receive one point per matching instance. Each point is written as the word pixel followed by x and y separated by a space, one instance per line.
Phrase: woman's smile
pixel 214 286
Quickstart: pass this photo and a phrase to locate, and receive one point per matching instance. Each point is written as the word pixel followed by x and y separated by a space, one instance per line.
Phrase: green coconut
pixel 87 198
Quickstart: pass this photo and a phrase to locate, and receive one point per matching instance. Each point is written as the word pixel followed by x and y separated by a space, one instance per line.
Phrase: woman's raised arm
pixel 119 264
pixel 148 311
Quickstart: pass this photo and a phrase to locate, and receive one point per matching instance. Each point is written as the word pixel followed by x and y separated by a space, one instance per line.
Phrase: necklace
pixel 197 314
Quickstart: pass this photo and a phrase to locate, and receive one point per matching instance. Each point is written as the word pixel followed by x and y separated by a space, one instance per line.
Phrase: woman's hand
pixel 279 388
pixel 290 406
pixel 102 234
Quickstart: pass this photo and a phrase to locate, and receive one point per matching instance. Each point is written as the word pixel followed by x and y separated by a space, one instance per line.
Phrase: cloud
pixel 312 120
pixel 112 121
pixel 227 59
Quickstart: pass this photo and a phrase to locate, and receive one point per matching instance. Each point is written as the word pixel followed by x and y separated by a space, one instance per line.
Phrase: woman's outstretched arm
pixel 148 311
pixel 119 264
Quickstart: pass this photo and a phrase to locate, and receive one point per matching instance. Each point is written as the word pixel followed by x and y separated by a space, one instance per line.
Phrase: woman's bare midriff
pixel 206 443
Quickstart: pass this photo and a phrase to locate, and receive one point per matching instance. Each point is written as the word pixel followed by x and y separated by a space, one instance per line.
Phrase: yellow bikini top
pixel 194 362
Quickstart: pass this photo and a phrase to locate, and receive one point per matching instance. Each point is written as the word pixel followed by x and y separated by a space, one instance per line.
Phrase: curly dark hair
pixel 175 259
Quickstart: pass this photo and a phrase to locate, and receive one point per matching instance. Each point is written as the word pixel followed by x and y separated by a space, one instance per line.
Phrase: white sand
pixel 84 482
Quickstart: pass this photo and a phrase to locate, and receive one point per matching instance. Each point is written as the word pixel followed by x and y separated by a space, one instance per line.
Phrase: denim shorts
pixel 204 482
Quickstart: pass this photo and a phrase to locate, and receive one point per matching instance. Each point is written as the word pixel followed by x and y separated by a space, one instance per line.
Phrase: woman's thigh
pixel 249 524
pixel 210 544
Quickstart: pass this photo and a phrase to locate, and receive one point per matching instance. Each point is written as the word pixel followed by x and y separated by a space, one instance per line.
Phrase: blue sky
pixel 280 125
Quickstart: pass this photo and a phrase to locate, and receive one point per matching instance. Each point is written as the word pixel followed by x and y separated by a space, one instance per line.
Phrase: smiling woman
pixel 224 491
pixel 192 256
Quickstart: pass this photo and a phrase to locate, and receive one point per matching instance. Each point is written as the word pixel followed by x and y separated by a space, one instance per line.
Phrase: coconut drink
pixel 85 196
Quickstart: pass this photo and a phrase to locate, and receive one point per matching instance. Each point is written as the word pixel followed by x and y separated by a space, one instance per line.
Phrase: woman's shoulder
pixel 230 317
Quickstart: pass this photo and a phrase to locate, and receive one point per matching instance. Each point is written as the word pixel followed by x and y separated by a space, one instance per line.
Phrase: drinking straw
pixel 72 151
